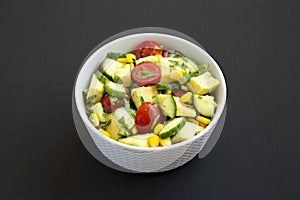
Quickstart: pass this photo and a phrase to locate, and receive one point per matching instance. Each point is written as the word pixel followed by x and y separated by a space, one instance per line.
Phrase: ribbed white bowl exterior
pixel 150 161
pixel 138 159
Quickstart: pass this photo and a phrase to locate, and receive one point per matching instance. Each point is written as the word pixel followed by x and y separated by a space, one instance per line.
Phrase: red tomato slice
pixel 178 92
pixel 146 74
pixel 109 106
pixel 147 114
pixel 147 48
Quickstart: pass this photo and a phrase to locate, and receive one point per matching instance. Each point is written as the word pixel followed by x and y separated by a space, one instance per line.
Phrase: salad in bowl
pixel 151 96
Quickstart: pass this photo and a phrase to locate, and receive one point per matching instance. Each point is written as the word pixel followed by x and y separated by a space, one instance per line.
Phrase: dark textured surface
pixel 256 44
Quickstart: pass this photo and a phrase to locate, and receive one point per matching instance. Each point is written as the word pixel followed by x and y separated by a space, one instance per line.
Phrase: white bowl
pixel 136 159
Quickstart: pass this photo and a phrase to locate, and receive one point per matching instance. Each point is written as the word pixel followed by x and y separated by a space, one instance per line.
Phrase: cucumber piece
pixel 184 63
pixel 124 117
pixel 101 77
pixel 110 67
pixel 203 68
pixel 167 104
pixel 131 111
pixel 114 89
pixel 117 72
pixel 95 91
pixel 115 55
pixel 192 66
pixel 172 127
pixel 205 105
pixel 186 132
pixel 139 140
pixel 124 132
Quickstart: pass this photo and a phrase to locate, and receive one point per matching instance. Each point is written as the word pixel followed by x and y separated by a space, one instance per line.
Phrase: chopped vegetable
pixel 203 120
pixel 94 119
pixel 158 128
pixel 171 96
pixel 105 133
pixel 203 84
pixel 165 142
pixel 115 55
pixel 186 97
pixel 153 141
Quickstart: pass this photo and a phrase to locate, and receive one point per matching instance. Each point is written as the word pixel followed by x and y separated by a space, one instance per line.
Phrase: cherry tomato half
pixel 146 74
pixel 111 106
pixel 147 48
pixel 178 92
pixel 147 114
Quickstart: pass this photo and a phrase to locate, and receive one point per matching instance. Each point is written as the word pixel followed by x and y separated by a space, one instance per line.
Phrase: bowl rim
pixel 214 121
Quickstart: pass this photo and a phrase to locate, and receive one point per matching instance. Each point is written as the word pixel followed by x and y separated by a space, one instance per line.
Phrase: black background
pixel 256 43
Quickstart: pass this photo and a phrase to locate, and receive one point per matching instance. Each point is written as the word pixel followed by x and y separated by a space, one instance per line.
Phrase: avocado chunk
pixel 184 110
pixel 152 59
pixel 203 84
pixel 95 90
pixel 124 74
pixel 98 109
pixel 119 124
pixel 144 94
pixel 164 65
pixel 139 140
pixel 113 128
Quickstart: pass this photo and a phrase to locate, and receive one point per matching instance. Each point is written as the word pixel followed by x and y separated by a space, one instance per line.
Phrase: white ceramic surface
pixel 138 159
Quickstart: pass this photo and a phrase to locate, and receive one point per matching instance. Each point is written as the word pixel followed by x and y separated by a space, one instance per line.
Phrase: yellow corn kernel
pixel 94 119
pixel 131 66
pixel 158 56
pixel 153 141
pixel 165 142
pixel 176 75
pixel 130 56
pixel 203 120
pixel 169 91
pixel 122 60
pixel 105 132
pixel 158 128
pixel 192 120
pixel 186 97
